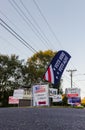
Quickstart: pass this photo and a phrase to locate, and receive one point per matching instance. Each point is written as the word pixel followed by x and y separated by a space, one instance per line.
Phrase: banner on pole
pixel 56 67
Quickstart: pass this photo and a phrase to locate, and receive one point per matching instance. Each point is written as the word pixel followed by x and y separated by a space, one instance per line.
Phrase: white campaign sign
pixel 52 92
pixel 18 93
pixel 57 98
pixel 40 95
pixel 72 92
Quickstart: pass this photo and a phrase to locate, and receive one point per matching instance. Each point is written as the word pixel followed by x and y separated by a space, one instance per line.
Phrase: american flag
pixel 40 89
pixel 49 75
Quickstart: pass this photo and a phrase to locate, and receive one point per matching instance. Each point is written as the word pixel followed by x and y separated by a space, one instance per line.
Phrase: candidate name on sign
pixel 72 92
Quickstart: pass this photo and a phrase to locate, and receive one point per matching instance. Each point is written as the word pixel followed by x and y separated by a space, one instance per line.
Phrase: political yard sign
pixel 40 95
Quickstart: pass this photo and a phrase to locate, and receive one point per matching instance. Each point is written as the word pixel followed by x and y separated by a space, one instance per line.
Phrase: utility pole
pixel 71 74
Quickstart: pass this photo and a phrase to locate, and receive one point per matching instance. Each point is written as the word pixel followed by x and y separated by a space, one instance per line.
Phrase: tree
pixel 10 71
pixel 38 63
pixel 37 66
pixel 10 75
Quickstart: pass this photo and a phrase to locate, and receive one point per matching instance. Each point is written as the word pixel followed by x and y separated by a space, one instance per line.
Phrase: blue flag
pixel 56 67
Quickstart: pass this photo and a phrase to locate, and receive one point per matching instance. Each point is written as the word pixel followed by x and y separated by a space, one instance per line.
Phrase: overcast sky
pixel 47 24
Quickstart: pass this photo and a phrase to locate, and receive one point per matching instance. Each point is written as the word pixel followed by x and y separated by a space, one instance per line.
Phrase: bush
pixel 64 101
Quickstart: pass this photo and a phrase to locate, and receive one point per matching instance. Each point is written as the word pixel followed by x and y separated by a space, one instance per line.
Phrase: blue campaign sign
pixel 56 67
pixel 74 100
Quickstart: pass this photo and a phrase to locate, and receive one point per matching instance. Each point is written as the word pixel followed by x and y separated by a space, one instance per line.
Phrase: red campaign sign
pixel 42 103
pixel 13 100
pixel 72 95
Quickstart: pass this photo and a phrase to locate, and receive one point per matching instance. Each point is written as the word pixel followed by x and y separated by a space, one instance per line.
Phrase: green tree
pixel 10 71
pixel 38 63
pixel 37 66
pixel 10 75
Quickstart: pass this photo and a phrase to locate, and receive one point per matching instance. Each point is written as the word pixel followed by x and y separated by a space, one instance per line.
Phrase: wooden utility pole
pixel 71 74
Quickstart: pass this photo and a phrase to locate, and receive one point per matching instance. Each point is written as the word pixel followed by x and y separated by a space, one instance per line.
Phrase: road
pixel 42 119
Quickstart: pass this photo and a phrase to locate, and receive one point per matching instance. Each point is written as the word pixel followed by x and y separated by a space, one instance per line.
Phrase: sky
pixel 47 24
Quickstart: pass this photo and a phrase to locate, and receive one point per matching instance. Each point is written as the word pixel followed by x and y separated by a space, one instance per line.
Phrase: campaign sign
pixel 13 100
pixel 57 98
pixel 72 92
pixel 52 92
pixel 18 93
pixel 74 100
pixel 40 95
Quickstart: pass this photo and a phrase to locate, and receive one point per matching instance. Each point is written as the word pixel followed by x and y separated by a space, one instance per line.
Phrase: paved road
pixel 42 119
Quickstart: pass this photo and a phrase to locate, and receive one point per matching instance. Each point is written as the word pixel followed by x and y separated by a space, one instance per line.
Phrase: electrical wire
pixel 29 23
pixel 50 28
pixel 13 45
pixel 12 23
pixel 48 41
pixel 9 29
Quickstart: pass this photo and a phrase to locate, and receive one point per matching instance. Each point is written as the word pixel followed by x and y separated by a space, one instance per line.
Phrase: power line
pixel 12 23
pixel 24 19
pixel 48 41
pixel 11 44
pixel 21 13
pixel 50 28
pixel 69 80
pixel 15 36
pixel 9 29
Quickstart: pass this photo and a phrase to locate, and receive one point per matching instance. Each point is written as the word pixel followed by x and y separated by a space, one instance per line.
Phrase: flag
pixel 39 89
pixel 56 67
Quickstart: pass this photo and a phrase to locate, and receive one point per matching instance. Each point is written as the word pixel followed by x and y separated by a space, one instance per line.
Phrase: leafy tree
pixel 10 71
pixel 10 75
pixel 37 65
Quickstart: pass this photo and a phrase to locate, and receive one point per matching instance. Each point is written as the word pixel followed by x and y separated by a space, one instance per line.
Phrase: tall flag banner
pixel 56 67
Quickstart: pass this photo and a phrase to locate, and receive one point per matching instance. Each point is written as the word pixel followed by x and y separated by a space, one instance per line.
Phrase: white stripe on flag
pixel 52 75
pixel 46 75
